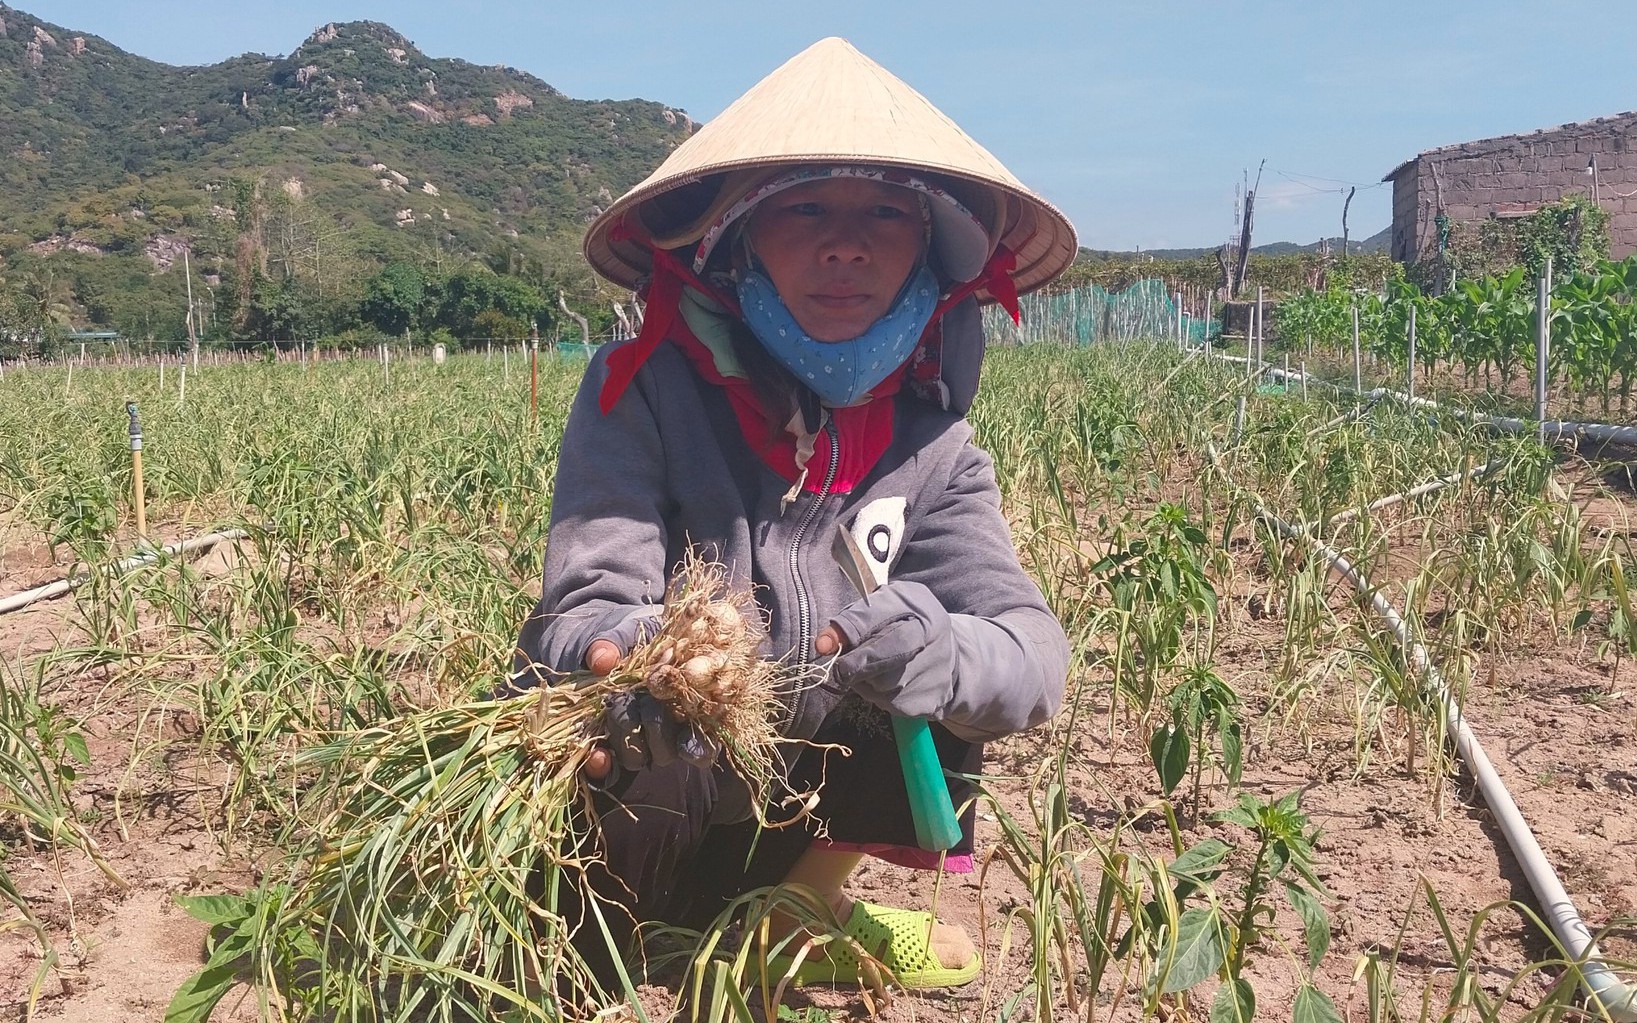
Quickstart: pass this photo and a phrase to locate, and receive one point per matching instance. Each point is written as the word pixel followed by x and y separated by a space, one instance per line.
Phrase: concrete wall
pixel 1516 174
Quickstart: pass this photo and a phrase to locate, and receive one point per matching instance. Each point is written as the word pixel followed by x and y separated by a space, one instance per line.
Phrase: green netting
pixel 1089 314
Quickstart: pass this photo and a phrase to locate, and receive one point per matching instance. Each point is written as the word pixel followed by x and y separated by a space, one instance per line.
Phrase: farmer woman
pixel 812 262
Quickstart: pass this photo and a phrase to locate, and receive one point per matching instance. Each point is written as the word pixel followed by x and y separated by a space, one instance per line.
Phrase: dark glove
pixel 900 650
pixel 642 732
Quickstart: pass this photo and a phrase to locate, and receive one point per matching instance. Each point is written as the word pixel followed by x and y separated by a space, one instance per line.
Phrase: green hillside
pixel 295 178
pixel 1381 241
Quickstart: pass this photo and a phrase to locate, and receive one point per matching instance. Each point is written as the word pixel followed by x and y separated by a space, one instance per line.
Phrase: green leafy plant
pixel 1159 584
pixel 82 516
pixel 240 930
pixel 1572 232
pixel 41 752
pixel 1209 915
pixel 1203 708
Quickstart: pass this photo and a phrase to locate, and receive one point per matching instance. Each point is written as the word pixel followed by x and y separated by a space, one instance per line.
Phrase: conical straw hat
pixel 828 104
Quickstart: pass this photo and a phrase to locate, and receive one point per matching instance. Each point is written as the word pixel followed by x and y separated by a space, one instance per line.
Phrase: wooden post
pixel 534 372
pixel 1543 345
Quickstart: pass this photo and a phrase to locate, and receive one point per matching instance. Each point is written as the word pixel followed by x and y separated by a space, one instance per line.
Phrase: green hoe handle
pixel 936 828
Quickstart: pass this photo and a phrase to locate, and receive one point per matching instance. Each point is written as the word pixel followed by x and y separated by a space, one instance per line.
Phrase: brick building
pixel 1512 176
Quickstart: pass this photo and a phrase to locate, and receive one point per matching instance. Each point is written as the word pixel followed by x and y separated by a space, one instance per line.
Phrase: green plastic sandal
pixel 897 939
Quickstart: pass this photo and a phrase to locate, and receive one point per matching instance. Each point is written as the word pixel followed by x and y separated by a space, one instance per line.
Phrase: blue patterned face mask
pixel 839 372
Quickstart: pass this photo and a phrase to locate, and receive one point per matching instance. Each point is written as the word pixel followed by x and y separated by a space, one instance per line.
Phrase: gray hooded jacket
pixel 960 635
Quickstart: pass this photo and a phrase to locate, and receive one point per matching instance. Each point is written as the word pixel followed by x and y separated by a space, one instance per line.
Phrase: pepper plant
pixel 1212 915
pixel 1203 708
pixel 1159 585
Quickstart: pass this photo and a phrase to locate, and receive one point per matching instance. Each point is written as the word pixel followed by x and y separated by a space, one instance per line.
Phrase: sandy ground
pixel 1560 725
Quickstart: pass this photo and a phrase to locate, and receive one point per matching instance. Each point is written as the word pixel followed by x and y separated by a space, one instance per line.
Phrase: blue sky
pixel 1137 119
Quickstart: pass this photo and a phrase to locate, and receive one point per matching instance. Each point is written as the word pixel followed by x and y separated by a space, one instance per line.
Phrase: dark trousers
pixel 667 862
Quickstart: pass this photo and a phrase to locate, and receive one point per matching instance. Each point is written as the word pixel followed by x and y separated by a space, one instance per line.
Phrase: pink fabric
pixel 904 856
pixel 865 430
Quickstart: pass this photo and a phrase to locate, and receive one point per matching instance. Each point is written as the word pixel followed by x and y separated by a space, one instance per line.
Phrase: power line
pixel 1292 177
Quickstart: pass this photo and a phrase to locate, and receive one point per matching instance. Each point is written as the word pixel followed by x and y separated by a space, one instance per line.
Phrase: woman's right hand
pixel 643 731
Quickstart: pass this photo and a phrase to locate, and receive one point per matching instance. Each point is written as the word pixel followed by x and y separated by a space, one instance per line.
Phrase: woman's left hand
pixel 830 641
pixel 601 658
pixel 896 649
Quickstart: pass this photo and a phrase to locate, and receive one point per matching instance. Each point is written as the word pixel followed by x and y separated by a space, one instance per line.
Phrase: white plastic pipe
pixel 1555 429
pixel 17 601
pixel 1559 429
pixel 1387 502
pixel 1355 413
pixel 1610 995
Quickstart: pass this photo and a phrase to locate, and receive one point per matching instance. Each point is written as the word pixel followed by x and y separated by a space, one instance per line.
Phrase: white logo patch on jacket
pixel 878 530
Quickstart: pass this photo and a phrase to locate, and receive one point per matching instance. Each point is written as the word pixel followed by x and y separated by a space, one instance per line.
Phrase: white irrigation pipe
pixel 21 600
pixel 1559 429
pixel 1612 996
pixel 1356 412
pixel 1409 495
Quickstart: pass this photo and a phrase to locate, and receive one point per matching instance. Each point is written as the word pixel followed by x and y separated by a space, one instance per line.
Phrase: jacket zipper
pixel 804 603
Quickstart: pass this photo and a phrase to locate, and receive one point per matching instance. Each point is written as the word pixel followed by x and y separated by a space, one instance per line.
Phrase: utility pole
pixel 1344 207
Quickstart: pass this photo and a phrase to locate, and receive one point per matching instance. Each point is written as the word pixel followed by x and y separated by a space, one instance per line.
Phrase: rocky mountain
pixel 354 150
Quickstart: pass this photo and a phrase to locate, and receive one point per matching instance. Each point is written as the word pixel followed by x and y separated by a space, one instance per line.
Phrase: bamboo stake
pixel 534 373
